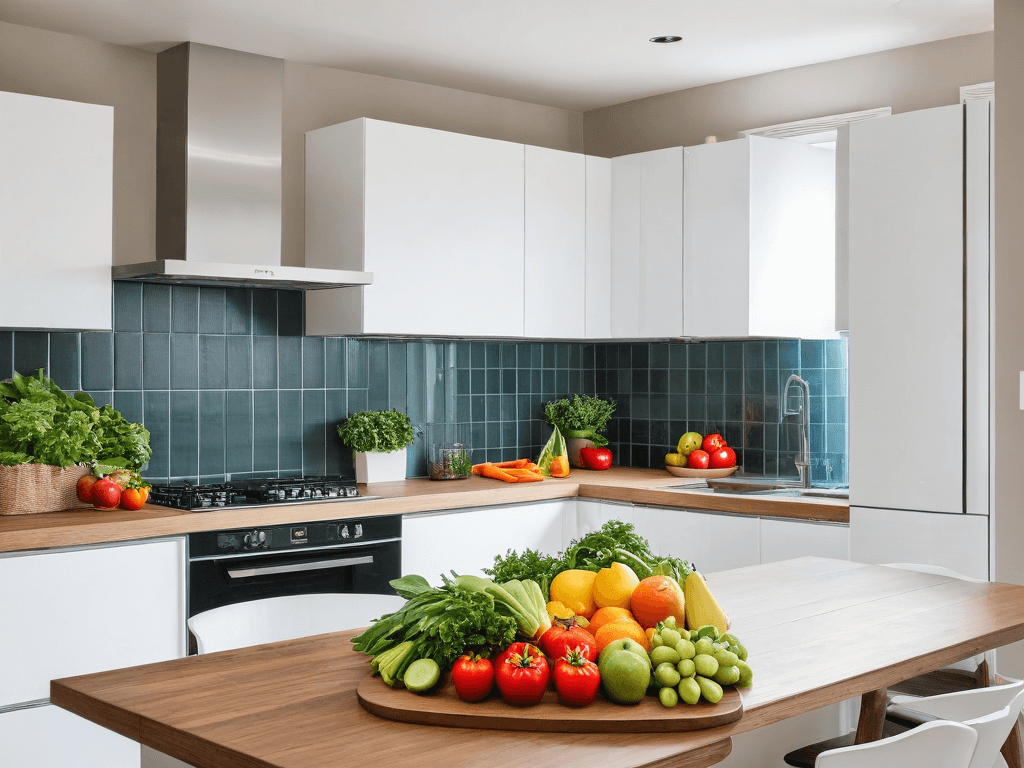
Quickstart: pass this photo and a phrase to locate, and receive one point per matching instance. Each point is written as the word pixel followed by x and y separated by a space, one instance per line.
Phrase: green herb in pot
pixel 377 431
pixel 581 417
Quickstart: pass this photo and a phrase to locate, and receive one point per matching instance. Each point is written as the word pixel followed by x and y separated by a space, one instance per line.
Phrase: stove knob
pixel 255 539
pixel 344 532
pixel 263 537
pixel 359 531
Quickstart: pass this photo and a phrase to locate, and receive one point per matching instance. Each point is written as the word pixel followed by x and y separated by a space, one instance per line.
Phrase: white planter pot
pixel 375 467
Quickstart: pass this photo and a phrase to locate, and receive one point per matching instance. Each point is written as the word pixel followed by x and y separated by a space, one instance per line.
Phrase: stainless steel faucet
pixel 803 459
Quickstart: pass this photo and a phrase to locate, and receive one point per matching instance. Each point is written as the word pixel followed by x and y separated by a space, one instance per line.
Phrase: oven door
pixel 236 578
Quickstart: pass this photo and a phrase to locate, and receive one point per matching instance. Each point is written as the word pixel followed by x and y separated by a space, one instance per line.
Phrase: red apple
pixel 106 494
pixel 713 442
pixel 84 488
pixel 698 460
pixel 723 458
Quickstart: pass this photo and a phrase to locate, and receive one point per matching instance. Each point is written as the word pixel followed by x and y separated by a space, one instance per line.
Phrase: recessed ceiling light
pixel 666 39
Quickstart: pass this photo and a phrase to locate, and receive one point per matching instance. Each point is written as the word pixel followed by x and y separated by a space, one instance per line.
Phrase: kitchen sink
pixel 753 487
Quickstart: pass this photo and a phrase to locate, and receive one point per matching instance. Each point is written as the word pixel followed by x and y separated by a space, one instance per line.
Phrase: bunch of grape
pixel 688 665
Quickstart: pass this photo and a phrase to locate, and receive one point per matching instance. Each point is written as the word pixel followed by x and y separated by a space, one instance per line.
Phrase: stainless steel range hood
pixel 218 207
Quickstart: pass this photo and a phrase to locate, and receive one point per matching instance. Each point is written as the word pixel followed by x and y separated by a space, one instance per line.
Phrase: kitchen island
pixel 819 631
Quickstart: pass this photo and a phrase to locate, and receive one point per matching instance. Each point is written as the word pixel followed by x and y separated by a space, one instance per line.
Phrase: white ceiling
pixel 575 54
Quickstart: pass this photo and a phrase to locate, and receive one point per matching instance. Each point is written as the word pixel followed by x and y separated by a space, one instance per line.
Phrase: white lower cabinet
pixel 73 612
pixel 710 542
pixel 467 541
pixel 789 539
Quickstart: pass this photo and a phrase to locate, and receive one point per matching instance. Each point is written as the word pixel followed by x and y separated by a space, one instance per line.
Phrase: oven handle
pixel 315 565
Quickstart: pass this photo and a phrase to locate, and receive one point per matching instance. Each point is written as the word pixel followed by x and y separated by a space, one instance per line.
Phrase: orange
pixel 575 590
pixel 655 599
pixel 606 616
pixel 617 630
pixel 614 586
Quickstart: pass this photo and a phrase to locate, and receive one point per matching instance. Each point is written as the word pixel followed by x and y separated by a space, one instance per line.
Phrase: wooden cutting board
pixel 444 707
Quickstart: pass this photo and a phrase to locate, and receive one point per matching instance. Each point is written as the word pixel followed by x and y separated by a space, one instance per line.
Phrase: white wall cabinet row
pixel 73 612
pixel 56 213
pixel 473 236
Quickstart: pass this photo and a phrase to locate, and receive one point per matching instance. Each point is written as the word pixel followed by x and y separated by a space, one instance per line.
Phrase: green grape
pixel 746 674
pixel 726 658
pixel 689 690
pixel 727 675
pixel 711 690
pixel 686 668
pixel 709 631
pixel 741 651
pixel 704 646
pixel 670 622
pixel 668 697
pixel 670 637
pixel 686 649
pixel 664 653
pixel 657 640
pixel 705 665
pixel 667 676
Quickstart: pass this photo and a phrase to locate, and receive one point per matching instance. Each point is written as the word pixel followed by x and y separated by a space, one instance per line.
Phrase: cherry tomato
pixel 722 458
pixel 473 677
pixel 712 442
pixel 596 458
pixel 576 679
pixel 566 635
pixel 522 678
pixel 698 459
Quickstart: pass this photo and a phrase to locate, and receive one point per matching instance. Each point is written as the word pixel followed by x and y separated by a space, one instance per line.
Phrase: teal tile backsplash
pixel 227 385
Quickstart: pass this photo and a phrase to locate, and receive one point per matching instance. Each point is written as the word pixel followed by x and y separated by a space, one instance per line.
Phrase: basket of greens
pixel 581 420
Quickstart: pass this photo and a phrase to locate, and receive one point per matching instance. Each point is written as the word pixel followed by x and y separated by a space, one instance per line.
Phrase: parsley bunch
pixel 581 417
pixel 377 431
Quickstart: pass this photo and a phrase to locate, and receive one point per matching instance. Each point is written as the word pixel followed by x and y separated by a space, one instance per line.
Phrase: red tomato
pixel 106 494
pixel 565 636
pixel 84 488
pixel 698 459
pixel 519 648
pixel 596 458
pixel 473 678
pixel 712 442
pixel 723 458
pixel 133 498
pixel 522 678
pixel 576 679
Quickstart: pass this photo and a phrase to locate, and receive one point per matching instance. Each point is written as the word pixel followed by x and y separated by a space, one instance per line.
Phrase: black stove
pixel 254 492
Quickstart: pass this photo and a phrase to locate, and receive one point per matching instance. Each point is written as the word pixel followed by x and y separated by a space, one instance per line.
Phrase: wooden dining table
pixel 818 632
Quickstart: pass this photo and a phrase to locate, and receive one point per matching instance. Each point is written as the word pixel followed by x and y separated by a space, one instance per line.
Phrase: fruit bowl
pixel 707 473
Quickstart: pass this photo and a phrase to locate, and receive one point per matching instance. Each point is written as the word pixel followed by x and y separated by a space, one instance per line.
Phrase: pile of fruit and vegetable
pixel 606 615
pixel 696 452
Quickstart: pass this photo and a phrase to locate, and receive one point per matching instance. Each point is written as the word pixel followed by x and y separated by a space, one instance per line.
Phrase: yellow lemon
pixel 614 586
pixel 575 590
pixel 675 460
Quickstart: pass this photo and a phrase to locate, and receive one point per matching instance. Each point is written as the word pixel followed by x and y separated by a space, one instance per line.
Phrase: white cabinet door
pixel 661 243
pixel 591 515
pixel 710 542
pixel 599 248
pixel 73 612
pixel 625 257
pixel 56 208
pixel 789 539
pixel 957 542
pixel 556 244
pixel 50 737
pixel 467 541
pixel 906 282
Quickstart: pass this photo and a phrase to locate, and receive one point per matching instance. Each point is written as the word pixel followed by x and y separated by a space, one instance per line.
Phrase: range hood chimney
pixel 218 207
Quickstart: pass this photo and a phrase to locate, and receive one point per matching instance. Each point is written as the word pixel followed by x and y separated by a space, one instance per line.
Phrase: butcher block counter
pixel 653 487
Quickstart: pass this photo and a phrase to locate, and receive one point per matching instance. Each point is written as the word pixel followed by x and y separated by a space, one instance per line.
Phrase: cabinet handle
pixel 315 565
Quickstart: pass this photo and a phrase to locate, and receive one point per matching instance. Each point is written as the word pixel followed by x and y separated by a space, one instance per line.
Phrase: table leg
pixel 1011 747
pixel 872 716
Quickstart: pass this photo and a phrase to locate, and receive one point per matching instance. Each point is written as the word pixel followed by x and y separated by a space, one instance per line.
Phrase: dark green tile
pixel 336 456
pixel 640 407
pixel 589 355
pixel 753 408
pixel 817 410
pixel 357 399
pixel 238 432
pixel 129 405
pixel 536 381
pixel 575 382
pixel 478 354
pixel 492 381
pixel 640 381
pixel 314 432
pixel 97 361
pixel 659 408
pixel 734 381
pixel 211 310
pixel 696 409
pixel 677 407
pixel 156 308
pixel 65 360
pixel 732 354
pixel 492 355
pixel 660 436
pixel 398 364
pixel 463 355
pixel 523 380
pixel 509 434
pixel 550 355
pixel 659 381
pixel 463 411
pixel 734 407
pixel 238 311
pixel 264 362
pixel 290 430
pixel 753 354
pixel 659 355
pixel 715 408
pixel 536 355
pixel 6 354
pixel 239 362
pixel 358 364
pixel 101 397
pixel 753 436
pixel 771 355
pixel 493 407
pixel 212 433
pixel 696 381
pixel 478 381
pixel 575 355
pixel 32 352
pixel 378 376
pixel 184 434
pixel 213 364
pixel 817 435
pixel 508 380
pixel 462 381
pixel 753 381
pixel 523 355
pixel 697 356
pixel 336 363
pixel 812 353
pixel 771 409
pixel 715 353
pixel 264 312
pixel 508 407
pixel 835 378
pixel 313 376
pixel 265 438
pixel 478 409
pixel 289 312
pixel 156 419
pixel 836 410
pixel 289 367
pixel 415 382
pixel 753 462
pixel 640 356
pixel 835 438
pixel 715 381
pixel 128 361
pixel 508 355
pixel 789 354
pixel 127 306
pixel 815 378
pixel 184 309
pixel 562 383
pixel 835 353
pixel 156 361
pixel 184 361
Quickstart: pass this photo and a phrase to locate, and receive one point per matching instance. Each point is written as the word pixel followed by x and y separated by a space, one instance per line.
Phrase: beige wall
pixel 315 97
pixel 1008 324
pixel 64 67
pixel 905 79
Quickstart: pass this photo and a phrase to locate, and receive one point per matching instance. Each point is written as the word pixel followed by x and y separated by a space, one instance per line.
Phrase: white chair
pixel 285 618
pixel 992 712
pixel 933 745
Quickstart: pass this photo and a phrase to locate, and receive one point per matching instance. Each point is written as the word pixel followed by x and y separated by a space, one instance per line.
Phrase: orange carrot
pixel 530 478
pixel 521 472
pixel 515 464
pixel 492 471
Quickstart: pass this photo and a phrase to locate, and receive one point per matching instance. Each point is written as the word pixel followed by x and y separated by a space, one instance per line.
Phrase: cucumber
pixel 422 675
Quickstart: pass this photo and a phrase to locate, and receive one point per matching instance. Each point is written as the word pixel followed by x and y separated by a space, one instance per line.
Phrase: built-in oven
pixel 232 566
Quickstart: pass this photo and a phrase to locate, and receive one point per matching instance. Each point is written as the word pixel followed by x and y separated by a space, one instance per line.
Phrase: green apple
pixel 689 442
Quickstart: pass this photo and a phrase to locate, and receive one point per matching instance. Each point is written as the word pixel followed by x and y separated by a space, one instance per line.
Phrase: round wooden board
pixel 707 473
pixel 443 707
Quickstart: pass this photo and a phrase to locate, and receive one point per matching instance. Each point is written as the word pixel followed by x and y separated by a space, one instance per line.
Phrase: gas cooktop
pixel 254 492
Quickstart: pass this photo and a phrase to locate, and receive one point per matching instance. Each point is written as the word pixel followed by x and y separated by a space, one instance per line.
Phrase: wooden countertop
pixel 625 484
pixel 293 704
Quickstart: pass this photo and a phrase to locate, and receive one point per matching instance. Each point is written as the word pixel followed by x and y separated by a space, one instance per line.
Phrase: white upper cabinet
pixel 599 248
pixel 556 244
pixel 56 213
pixel 437 217
pixel 647 244
pixel 759 239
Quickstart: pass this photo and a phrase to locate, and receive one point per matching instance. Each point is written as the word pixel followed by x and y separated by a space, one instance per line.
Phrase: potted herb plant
pixel 378 440
pixel 581 420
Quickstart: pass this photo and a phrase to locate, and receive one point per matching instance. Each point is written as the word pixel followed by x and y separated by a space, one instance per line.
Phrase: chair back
pixel 939 744
pixel 284 618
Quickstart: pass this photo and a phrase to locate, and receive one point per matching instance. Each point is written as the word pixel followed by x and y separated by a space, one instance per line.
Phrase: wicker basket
pixel 28 489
